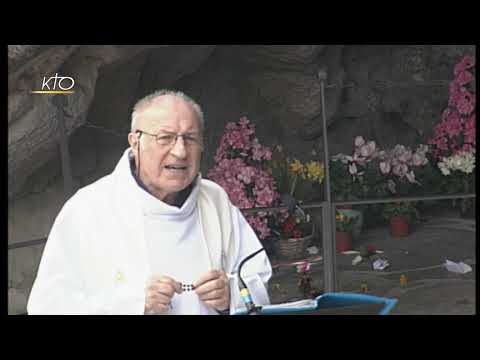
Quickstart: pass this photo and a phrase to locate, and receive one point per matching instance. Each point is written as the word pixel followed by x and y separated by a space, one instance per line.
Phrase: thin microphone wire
pixel 138 153
pixel 243 262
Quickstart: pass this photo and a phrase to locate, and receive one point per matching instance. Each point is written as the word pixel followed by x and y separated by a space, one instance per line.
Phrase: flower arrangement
pixel 343 223
pixel 241 169
pixel 350 172
pixel 294 177
pixel 399 165
pixel 455 133
pixel 454 137
pixel 371 172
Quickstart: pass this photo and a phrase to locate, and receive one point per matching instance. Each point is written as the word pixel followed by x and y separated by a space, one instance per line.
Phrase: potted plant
pixel 344 228
pixel 295 231
pixel 400 216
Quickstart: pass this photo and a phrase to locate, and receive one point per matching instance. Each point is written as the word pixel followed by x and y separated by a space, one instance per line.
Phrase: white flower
pixel 443 168
pixel 464 162
pixel 352 168
pixel 422 149
pixel 419 159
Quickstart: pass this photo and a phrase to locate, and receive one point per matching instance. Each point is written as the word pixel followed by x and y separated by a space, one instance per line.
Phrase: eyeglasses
pixel 192 140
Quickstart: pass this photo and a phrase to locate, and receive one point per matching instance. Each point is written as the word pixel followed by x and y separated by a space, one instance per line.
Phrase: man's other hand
pixel 159 293
pixel 214 290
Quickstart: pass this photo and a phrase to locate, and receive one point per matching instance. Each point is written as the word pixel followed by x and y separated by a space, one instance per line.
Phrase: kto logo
pixel 56 85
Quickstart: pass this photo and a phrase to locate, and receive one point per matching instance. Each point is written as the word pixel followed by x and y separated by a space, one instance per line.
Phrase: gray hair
pixel 141 104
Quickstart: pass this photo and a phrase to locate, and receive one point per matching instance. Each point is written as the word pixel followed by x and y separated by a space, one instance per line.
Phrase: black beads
pixel 188 287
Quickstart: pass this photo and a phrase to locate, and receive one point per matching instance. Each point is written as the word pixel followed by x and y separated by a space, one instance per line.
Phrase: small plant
pixel 305 280
pixel 403 209
pixel 343 222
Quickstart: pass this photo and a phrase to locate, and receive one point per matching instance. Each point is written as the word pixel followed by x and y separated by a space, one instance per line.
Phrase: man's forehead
pixel 167 112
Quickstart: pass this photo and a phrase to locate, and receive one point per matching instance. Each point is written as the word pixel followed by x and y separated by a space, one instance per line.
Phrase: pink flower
pixel 442 143
pixel 303 267
pixel 385 167
pixel 467 148
pixel 260 224
pixel 454 90
pixel 446 114
pixel 359 141
pixel 439 129
pixel 405 157
pixel 243 121
pixel 367 150
pixel 454 126
pixel 468 61
pixel 464 78
pixel 460 67
pixel 267 154
pixel 264 197
pixel 257 153
pixel 246 174
pixel 469 130
pixel 231 126
pixel 465 102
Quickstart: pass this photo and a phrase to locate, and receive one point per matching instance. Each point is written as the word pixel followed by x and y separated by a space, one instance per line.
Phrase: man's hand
pixel 213 289
pixel 159 293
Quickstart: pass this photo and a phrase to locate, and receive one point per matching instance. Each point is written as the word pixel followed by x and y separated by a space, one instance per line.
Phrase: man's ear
pixel 133 139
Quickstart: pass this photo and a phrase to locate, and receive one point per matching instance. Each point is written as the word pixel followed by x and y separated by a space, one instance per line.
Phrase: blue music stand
pixel 338 303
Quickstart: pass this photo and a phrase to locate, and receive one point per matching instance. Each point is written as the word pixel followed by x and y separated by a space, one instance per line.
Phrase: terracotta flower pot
pixel 343 241
pixel 399 227
pixel 357 217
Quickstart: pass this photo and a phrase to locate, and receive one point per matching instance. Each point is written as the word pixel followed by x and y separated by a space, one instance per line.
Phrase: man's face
pixel 167 169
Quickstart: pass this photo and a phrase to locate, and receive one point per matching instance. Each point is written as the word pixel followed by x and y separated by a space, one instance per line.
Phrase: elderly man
pixel 152 237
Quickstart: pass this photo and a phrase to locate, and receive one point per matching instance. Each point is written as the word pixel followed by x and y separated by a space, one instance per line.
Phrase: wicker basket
pixel 294 248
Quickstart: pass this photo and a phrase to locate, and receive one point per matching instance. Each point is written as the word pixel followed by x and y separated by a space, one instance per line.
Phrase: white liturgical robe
pixel 112 236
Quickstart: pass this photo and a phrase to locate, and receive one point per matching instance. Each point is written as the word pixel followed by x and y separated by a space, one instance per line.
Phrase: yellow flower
pixel 296 166
pixel 315 171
